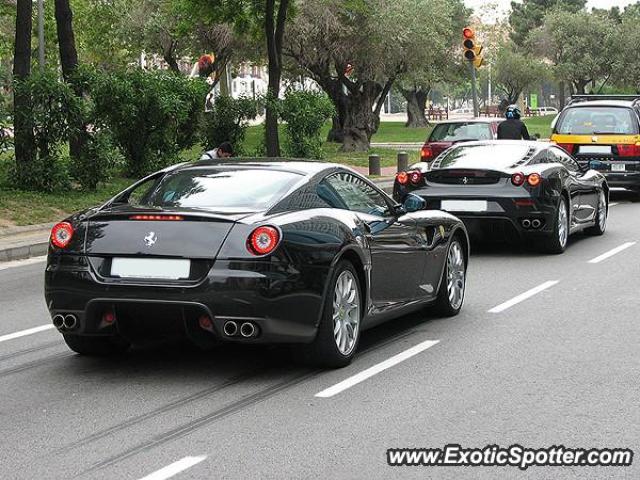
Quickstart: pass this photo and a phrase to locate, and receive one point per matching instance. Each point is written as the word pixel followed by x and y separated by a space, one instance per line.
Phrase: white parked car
pixel 546 111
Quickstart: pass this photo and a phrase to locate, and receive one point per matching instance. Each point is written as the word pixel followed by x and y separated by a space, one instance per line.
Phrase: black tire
pixel 601 225
pixel 96 346
pixel 554 244
pixel 323 351
pixel 443 305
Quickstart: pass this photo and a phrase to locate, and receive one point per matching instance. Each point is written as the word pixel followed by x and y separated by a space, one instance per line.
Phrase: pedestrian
pixel 513 128
pixel 224 150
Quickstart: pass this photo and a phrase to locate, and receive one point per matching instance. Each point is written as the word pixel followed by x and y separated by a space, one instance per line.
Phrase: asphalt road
pixel 559 367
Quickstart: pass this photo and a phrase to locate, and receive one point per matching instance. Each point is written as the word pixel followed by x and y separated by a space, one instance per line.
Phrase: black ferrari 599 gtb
pixel 273 252
pixel 533 189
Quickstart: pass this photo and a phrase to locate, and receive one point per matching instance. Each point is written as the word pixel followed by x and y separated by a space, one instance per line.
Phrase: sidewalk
pixel 17 243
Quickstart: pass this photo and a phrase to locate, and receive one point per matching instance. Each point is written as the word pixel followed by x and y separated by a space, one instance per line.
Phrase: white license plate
pixel 618 167
pixel 160 268
pixel 600 149
pixel 464 205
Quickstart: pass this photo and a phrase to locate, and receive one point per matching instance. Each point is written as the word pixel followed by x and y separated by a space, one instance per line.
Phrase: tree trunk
pixel 336 134
pixel 274 30
pixel 561 95
pixel 416 106
pixel 360 121
pixel 169 55
pixel 69 63
pixel 23 124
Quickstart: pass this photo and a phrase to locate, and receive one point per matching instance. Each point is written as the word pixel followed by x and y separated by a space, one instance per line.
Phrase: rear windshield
pixel 455 132
pixel 597 121
pixel 492 156
pixel 221 190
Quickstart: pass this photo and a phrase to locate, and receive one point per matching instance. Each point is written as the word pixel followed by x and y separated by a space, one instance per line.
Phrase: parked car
pixel 535 190
pixel 451 132
pixel 249 252
pixel 603 133
pixel 545 111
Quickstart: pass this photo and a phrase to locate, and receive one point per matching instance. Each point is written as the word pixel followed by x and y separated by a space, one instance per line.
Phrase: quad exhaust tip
pixel 70 321
pixel 58 321
pixel 526 223
pixel 536 223
pixel 248 329
pixel 230 328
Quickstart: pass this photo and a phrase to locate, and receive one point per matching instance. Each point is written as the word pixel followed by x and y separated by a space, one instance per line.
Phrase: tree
pixel 267 20
pixel 528 15
pixel 355 50
pixel 435 65
pixel 628 53
pixel 582 46
pixel 515 71
pixel 23 125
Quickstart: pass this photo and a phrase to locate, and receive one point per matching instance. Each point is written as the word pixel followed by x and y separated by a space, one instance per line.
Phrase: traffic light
pixel 472 50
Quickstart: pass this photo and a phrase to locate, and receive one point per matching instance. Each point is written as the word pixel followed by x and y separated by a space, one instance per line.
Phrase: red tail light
pixel 168 218
pixel 533 179
pixel 426 154
pixel 518 179
pixel 263 240
pixel 61 234
pixel 569 147
pixel 415 177
pixel 402 178
pixel 629 150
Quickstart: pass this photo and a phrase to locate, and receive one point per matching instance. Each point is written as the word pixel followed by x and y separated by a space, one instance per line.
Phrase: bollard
pixel 403 161
pixel 374 165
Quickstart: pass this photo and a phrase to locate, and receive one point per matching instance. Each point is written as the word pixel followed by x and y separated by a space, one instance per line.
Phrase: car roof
pixel 537 146
pixel 602 103
pixel 470 120
pixel 302 167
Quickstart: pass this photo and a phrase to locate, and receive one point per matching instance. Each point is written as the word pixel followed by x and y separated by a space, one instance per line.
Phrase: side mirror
pixel 413 203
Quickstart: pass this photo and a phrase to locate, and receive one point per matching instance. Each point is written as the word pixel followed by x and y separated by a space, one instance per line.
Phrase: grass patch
pixel 540 125
pixel 27 208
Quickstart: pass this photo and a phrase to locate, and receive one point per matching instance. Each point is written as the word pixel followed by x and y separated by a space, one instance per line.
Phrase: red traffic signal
pixel 468 33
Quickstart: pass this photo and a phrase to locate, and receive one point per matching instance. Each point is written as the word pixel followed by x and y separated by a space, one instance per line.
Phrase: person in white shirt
pixel 224 150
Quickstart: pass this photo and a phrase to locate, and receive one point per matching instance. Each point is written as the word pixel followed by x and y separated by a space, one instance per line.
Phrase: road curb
pixel 22 252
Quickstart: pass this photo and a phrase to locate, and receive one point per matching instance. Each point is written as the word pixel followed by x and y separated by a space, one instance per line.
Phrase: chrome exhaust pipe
pixel 230 329
pixel 247 330
pixel 536 223
pixel 58 321
pixel 70 322
pixel 526 223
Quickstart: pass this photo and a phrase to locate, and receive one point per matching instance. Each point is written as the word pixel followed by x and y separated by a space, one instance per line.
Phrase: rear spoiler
pixel 635 99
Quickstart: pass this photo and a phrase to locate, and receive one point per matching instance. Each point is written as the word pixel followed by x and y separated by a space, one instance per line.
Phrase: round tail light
pixel 61 234
pixel 415 177
pixel 518 179
pixel 402 178
pixel 263 240
pixel 533 179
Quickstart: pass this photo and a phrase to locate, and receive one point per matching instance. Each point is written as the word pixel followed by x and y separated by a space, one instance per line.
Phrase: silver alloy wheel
pixel 563 227
pixel 602 212
pixel 346 312
pixel 455 275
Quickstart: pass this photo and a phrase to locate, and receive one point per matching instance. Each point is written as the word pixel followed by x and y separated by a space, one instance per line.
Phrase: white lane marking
pixel 370 372
pixel 613 204
pixel 612 252
pixel 175 468
pixel 523 296
pixel 22 263
pixel 23 333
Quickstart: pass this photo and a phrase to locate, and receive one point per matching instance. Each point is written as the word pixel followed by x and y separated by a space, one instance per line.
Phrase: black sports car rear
pixel 530 189
pixel 306 253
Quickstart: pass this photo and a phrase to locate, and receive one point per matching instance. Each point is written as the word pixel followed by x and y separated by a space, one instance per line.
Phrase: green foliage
pixel 228 122
pixel 305 114
pixel 96 162
pixel 516 71
pixel 55 108
pixel 151 115
pixel 528 15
